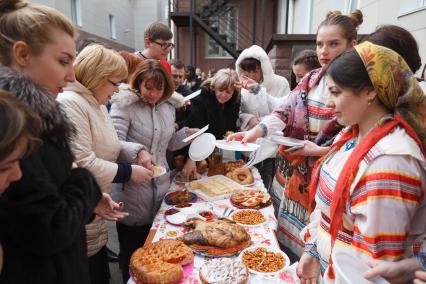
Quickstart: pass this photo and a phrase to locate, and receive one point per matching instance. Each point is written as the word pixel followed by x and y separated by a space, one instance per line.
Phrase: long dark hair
pixel 348 71
pixel 399 40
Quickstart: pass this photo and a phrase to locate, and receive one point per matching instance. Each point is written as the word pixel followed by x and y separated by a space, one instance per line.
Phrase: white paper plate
pixel 286 141
pixel 198 133
pixel 161 172
pixel 349 269
pixel 191 96
pixel 236 146
pixel 270 249
pixel 202 147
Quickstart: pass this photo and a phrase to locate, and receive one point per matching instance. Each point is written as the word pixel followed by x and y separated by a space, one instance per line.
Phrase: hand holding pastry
pixel 141 174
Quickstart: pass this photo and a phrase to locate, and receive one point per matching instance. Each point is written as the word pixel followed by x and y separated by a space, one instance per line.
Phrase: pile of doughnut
pixel 235 171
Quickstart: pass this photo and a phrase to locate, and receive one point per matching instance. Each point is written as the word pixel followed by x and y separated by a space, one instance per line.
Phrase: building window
pixel 112 26
pixel 408 6
pixel 76 12
pixel 226 25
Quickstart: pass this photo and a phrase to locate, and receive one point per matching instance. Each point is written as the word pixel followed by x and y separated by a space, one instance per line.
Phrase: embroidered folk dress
pixel 386 208
pixel 291 203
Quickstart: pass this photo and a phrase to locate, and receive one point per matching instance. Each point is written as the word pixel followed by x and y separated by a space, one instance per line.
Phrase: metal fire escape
pixel 209 15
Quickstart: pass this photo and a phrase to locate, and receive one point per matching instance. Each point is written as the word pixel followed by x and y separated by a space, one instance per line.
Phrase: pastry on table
pixel 242 176
pixel 180 162
pixel 224 271
pixel 201 167
pixel 160 262
pixel 250 199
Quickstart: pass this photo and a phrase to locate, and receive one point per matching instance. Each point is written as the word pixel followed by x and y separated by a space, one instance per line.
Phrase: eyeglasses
pixel 164 45
pixel 115 84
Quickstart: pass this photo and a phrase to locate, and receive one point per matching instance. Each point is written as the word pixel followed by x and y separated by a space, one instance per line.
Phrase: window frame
pixel 112 26
pixel 76 15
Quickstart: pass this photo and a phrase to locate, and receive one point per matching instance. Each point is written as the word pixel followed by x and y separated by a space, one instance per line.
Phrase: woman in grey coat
pixel 144 121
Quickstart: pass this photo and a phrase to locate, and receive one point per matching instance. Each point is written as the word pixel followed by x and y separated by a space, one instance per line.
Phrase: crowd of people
pixel 81 132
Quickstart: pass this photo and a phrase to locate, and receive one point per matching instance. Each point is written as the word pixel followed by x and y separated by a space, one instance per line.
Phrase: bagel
pixel 242 176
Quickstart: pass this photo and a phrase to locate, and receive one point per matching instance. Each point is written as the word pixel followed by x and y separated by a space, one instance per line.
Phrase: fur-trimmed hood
pixel 55 123
pixel 125 97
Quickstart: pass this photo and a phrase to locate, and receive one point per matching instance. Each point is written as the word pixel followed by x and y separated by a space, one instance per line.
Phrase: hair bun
pixel 356 17
pixel 332 14
pixel 7 6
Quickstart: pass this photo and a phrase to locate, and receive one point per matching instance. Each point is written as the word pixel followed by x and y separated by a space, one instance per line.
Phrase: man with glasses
pixel 158 42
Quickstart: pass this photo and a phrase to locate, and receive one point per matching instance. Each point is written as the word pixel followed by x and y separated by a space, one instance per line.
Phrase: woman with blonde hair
pixel 144 121
pixel 42 215
pixel 218 105
pixel 98 73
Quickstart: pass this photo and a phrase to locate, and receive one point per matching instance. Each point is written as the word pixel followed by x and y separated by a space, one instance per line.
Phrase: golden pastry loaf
pixel 160 262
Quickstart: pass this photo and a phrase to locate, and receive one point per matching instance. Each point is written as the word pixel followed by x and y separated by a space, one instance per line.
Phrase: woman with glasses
pixel 96 147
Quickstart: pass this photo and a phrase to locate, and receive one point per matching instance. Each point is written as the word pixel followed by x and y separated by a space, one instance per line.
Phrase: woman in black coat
pixel 42 216
pixel 218 105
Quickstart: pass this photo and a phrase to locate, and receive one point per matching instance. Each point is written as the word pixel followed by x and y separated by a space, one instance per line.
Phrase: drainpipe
pixel 263 23
pixel 191 33
pixel 287 8
pixel 254 22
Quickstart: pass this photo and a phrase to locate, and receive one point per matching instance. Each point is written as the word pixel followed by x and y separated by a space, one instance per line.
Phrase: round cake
pixel 160 262
pixel 224 271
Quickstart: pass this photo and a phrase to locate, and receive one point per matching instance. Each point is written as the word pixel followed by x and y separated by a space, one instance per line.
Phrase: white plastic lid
pixel 202 147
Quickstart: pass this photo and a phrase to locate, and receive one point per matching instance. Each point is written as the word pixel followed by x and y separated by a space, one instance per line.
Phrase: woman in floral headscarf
pixel 368 188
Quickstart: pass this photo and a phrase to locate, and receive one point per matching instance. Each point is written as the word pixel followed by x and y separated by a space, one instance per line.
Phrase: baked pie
pixel 160 262
pixel 250 199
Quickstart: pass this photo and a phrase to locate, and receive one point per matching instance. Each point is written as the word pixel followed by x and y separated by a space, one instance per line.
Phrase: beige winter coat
pixel 95 147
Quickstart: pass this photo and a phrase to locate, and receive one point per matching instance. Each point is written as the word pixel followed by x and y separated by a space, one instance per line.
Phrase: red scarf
pixel 341 192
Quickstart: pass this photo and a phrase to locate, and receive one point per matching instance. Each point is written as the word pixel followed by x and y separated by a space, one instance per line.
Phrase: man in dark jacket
pixel 178 74
pixel 42 216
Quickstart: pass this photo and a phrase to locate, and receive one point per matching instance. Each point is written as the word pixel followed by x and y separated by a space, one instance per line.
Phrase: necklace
pixel 381 121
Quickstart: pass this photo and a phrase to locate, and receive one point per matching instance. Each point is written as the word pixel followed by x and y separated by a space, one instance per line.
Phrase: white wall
pixel 131 17
pixel 376 12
